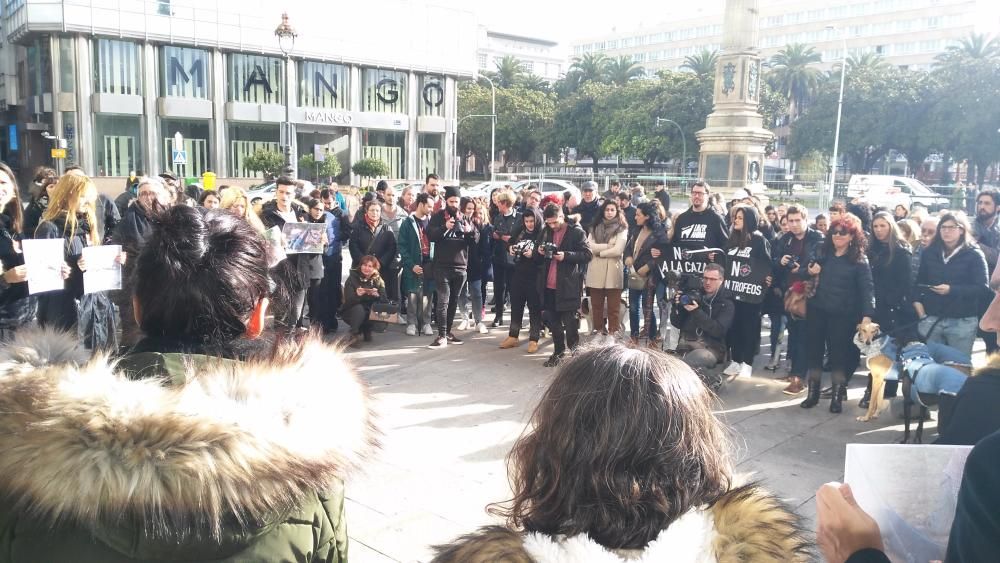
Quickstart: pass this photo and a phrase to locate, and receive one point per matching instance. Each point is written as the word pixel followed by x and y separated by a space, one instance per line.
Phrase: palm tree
pixel 621 70
pixel 872 62
pixel 975 46
pixel 703 64
pixel 794 75
pixel 509 72
pixel 593 67
pixel 534 82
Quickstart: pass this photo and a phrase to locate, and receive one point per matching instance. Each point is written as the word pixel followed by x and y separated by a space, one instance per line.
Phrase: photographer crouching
pixel 562 249
pixel 703 318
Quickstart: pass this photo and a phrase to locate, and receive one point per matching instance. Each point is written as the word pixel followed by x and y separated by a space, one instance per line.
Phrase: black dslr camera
pixel 549 250
pixel 520 247
pixel 689 288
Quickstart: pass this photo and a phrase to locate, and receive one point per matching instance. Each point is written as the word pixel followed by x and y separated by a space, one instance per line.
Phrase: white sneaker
pixel 481 327
pixel 463 325
pixel 402 319
pixel 428 331
pixel 746 371
pixel 732 369
pixel 411 330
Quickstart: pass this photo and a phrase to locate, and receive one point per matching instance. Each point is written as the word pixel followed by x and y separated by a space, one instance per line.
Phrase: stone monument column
pixel 734 138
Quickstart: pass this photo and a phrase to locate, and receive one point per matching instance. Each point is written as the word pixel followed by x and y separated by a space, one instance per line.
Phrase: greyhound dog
pixel 925 371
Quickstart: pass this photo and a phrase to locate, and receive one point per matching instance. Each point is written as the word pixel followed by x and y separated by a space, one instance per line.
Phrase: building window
pixel 118 67
pixel 118 144
pixel 184 72
pixel 244 140
pixel 387 146
pixel 384 91
pixel 335 144
pixel 67 65
pixel 528 66
pixel 196 144
pixel 432 95
pixel 431 154
pixel 255 79
pixel 481 58
pixel 323 85
pixel 933 22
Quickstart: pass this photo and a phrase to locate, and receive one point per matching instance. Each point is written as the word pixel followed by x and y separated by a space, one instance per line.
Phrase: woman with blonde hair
pixel 235 200
pixel 71 217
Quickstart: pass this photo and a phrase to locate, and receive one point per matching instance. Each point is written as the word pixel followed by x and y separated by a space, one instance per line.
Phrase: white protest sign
pixel 44 259
pixel 104 271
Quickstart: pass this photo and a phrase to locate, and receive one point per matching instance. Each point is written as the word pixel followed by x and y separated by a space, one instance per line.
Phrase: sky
pixel 567 21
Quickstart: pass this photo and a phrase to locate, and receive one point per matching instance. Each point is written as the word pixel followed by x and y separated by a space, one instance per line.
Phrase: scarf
pixel 606 230
pixel 372 223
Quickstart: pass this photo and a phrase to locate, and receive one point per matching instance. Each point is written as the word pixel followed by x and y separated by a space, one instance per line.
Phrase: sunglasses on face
pixel 840 232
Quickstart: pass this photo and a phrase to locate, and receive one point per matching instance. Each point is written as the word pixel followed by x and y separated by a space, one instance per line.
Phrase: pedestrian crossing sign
pixel 180 157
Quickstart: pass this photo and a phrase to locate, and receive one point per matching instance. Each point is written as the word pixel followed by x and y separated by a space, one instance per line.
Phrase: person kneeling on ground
pixel 205 443
pixel 624 460
pixel 364 288
pixel 704 321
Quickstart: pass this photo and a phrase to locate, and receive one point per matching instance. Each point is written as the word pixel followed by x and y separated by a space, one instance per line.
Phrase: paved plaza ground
pixel 450 417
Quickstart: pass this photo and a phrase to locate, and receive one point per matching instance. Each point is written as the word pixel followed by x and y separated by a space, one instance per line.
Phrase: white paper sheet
pixel 43 259
pixel 911 491
pixel 104 272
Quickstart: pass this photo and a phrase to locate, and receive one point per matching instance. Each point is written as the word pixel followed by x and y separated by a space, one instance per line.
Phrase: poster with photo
pixel 43 259
pixel 304 238
pixel 104 270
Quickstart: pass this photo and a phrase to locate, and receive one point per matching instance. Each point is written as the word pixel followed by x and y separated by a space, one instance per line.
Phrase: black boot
pixel 812 397
pixel 866 400
pixel 839 390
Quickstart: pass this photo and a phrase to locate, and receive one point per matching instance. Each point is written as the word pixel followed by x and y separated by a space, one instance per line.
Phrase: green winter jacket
pixel 206 460
pixel 410 255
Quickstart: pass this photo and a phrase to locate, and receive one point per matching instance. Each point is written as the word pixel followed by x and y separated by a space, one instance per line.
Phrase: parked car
pixel 890 191
pixel 551 186
pixel 262 194
pixel 482 189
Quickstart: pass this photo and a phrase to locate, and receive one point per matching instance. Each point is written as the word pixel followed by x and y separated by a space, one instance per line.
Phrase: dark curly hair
pixel 859 242
pixel 621 445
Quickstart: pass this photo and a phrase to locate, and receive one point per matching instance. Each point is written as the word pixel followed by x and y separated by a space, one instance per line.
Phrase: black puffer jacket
pixel 783 277
pixel 709 323
pixel 891 276
pixel 965 273
pixel 845 287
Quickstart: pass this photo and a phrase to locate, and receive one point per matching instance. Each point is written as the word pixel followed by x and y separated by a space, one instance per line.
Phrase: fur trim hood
pixel 234 445
pixel 746 524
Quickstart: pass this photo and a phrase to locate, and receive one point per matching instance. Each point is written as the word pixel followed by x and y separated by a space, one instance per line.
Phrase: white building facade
pixel 907 33
pixel 118 79
pixel 538 56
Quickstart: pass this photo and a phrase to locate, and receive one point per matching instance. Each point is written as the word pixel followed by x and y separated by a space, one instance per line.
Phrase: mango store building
pixel 118 85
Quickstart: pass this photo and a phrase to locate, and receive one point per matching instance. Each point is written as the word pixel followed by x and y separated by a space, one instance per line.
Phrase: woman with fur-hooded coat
pixel 625 462
pixel 203 444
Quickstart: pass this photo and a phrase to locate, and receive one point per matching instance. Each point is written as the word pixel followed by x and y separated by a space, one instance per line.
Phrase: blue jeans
pixel 797 349
pixel 473 289
pixel 643 298
pixel 960 334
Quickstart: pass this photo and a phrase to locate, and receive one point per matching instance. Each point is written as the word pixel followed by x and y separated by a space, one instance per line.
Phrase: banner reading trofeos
pixel 746 274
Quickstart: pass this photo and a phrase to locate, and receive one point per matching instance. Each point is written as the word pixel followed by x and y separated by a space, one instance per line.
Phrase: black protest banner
pixel 746 274
pixel 686 261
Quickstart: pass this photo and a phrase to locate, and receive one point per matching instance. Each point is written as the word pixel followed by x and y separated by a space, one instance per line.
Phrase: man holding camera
pixel 563 251
pixel 451 234
pixel 704 319
pixel 792 254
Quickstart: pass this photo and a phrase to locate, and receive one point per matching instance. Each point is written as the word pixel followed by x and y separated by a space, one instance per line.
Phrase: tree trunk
pixel 981 173
pixel 595 166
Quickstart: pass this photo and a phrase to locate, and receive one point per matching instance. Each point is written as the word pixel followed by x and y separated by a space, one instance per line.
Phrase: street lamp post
pixel 684 152
pixel 840 109
pixel 493 128
pixel 286 42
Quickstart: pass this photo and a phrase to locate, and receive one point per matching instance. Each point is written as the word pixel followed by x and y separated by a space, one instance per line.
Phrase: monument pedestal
pixel 733 140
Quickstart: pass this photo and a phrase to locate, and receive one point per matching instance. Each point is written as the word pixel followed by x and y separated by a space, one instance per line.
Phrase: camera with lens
pixel 549 250
pixel 689 288
pixel 520 247
pixel 793 263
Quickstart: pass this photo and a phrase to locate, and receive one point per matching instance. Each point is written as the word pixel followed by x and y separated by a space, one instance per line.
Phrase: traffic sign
pixel 180 157
pixel 58 153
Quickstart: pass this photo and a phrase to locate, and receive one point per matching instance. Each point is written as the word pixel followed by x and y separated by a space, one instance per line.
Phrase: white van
pixel 890 191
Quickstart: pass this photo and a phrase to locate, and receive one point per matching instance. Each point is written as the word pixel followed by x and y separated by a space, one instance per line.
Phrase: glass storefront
pixel 335 144
pixel 255 79
pixel 117 67
pixel 184 72
pixel 244 140
pixel 197 134
pixel 431 154
pixel 384 90
pixel 117 140
pixel 432 98
pixel 324 85
pixel 67 65
pixel 387 146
